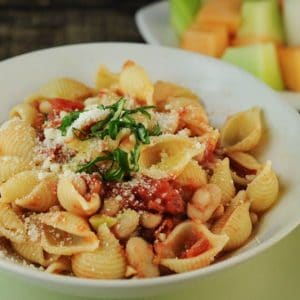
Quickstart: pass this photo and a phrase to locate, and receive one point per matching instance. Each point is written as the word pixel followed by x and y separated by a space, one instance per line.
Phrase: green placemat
pixel 273 274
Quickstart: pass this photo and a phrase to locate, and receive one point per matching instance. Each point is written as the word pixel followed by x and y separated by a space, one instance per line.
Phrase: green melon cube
pixel 261 20
pixel 182 13
pixel 261 60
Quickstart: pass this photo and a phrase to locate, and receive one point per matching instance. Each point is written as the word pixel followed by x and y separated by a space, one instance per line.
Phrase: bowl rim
pixel 71 281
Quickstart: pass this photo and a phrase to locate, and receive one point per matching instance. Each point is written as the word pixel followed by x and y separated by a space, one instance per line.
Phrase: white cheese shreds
pixel 86 118
pixel 53 136
pixel 168 122
pixel 42 175
pixel 68 173
pixel 184 132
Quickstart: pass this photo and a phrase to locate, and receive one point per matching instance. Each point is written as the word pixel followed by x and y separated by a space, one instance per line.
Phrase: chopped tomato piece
pixel 196 247
pixel 66 105
pixel 162 197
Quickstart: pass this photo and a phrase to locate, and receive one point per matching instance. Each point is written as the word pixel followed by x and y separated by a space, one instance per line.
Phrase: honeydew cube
pixel 182 14
pixel 291 19
pixel 260 60
pixel 261 22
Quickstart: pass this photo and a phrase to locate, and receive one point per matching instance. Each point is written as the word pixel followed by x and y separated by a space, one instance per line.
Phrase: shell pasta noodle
pixel 128 179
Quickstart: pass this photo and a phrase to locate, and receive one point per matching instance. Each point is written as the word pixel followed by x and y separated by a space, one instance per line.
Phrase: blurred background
pixel 27 25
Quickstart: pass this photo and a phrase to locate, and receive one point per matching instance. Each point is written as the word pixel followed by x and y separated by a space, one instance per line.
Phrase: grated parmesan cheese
pixel 87 118
pixel 167 122
pixel 42 175
pixel 184 132
pixel 53 136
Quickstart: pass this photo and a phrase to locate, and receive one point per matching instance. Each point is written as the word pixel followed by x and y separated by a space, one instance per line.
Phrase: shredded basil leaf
pixel 68 120
pixel 122 163
pixel 155 131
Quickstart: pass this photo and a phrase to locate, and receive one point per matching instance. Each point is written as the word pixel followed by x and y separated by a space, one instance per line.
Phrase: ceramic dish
pixel 154 25
pixel 224 90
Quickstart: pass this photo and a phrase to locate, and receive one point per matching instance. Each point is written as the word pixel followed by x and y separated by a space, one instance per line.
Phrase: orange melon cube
pixel 205 39
pixel 289 58
pixel 221 12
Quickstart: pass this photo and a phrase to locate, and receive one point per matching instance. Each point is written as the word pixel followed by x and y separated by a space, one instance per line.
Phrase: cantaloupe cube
pixel 221 12
pixel 289 58
pixel 206 39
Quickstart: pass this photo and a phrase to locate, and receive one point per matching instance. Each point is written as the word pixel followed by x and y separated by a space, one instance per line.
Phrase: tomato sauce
pixel 65 105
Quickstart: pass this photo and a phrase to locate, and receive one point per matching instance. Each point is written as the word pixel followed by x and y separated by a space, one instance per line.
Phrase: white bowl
pixel 224 90
pixel 155 27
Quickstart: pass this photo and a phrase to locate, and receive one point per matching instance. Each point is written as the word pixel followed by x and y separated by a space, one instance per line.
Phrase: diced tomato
pixel 196 246
pixel 66 105
pixel 162 197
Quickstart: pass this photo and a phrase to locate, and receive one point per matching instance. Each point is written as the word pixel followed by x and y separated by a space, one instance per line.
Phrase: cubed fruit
pixel 289 58
pixel 206 39
pixel 261 22
pixel 182 14
pixel 291 19
pixel 221 12
pixel 261 60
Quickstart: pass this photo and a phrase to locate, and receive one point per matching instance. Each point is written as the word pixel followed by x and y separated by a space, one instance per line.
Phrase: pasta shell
pixel 209 140
pixel 36 190
pixel 241 181
pixel 244 167
pixel 17 138
pixel 33 252
pixel 197 235
pixel 140 256
pixel 34 98
pixel 106 79
pixel 11 165
pixel 242 131
pixel 42 197
pixel 245 160
pixel 24 111
pixel 25 181
pixel 105 262
pixel 222 178
pixel 65 234
pixel 235 222
pixel 167 156
pixel 65 88
pixel 192 114
pixel 71 200
pixel 168 122
pixel 164 90
pixel 264 189
pixel 61 265
pixel 134 81
pixel 11 225
pixel 193 176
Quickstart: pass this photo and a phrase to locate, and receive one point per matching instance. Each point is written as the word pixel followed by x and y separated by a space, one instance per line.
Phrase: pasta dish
pixel 128 179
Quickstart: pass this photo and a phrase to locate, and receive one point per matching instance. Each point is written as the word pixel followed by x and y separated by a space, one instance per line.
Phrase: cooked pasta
pixel 128 179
